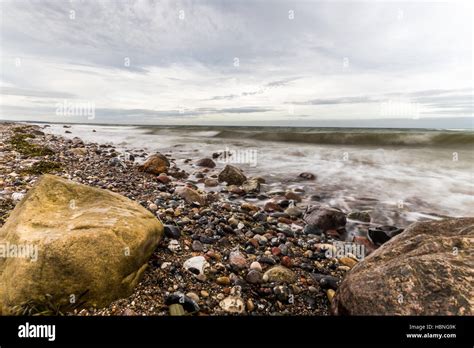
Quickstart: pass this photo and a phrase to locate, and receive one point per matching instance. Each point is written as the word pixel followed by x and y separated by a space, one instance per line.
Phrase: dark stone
pixel 206 162
pixel 188 304
pixel 312 229
pixel 307 176
pixel 325 218
pixel 381 234
pixel 267 259
pixel 254 277
pixel 172 231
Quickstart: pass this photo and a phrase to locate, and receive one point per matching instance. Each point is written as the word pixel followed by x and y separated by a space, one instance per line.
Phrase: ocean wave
pixel 370 138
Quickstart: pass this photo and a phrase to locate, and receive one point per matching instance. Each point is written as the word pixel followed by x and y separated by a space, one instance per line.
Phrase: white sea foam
pixel 422 179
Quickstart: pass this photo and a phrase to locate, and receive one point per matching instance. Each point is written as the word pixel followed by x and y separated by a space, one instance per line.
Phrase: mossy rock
pixel 91 244
pixel 43 167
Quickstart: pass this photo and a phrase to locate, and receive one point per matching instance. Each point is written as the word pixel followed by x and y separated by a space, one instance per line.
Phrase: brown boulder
pixel 232 175
pixel 426 270
pixel 156 164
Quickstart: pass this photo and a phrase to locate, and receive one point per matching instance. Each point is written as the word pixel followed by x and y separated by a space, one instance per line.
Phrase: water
pixel 400 175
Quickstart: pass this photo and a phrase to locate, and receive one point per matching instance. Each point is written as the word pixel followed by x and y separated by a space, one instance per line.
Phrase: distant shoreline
pixel 321 125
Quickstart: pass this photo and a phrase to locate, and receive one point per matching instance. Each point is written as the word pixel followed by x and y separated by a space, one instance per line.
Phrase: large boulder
pixel 81 241
pixel 426 270
pixel 232 175
pixel 156 164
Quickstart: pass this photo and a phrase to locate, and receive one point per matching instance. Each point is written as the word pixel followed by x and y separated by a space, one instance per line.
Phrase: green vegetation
pixel 20 143
pixel 43 167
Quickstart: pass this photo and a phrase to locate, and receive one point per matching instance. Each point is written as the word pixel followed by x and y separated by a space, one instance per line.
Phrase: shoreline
pixel 269 230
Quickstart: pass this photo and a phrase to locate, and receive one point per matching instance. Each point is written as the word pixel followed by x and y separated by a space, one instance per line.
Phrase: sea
pixel 399 175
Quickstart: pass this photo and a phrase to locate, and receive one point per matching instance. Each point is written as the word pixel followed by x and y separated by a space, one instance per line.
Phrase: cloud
pixel 213 59
pixel 33 93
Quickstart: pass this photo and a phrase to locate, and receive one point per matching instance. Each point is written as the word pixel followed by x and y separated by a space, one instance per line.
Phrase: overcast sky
pixel 235 62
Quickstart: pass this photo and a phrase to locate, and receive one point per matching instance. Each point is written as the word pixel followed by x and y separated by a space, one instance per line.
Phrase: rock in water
pixel 325 218
pixel 191 196
pixel 251 186
pixel 156 164
pixel 232 175
pixel 426 270
pixel 206 162
pixel 363 216
pixel 86 241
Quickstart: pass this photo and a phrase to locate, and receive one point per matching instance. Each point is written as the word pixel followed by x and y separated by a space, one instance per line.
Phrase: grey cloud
pixel 438 99
pixel 34 93
pixel 340 100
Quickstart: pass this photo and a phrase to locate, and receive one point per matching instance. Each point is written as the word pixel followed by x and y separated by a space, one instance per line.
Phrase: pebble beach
pixel 231 246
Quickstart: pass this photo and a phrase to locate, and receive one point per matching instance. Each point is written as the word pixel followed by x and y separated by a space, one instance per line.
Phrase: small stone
pixel 17 196
pixel 129 312
pixel 191 196
pixel 233 304
pixel 188 303
pixel 164 265
pixel 293 211
pixel 276 251
pixel 256 266
pixel 325 218
pixel 248 207
pixel 250 305
pixel 272 206
pixel 347 261
pixel 344 268
pixel 174 246
pixel 281 292
pixel 156 164
pixel 206 162
pixel 293 196
pixel 197 246
pixel 254 277
pixel 193 296
pixel 204 293
pixel 359 216
pixel 152 207
pixel 196 265
pixel 279 274
pixel 163 178
pixel 172 231
pixel 330 293
pixel 209 182
pixel 286 261
pixel 312 229
pixel 224 281
pixel 251 186
pixel 237 260
pixel 307 176
pixel 232 175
